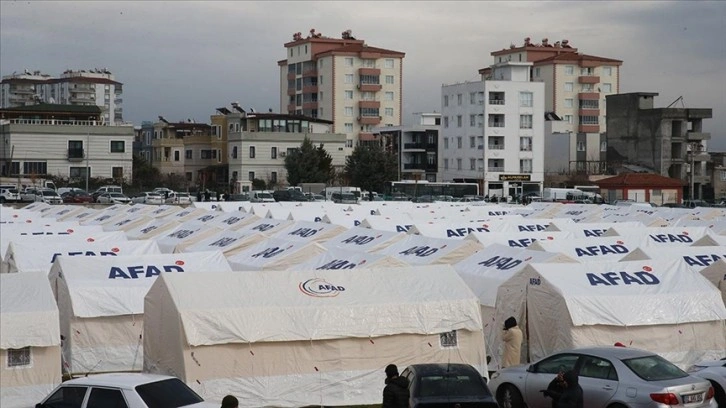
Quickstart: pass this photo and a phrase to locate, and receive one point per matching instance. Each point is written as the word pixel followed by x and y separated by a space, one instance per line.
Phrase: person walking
pixel 512 338
pixel 230 402
pixel 395 393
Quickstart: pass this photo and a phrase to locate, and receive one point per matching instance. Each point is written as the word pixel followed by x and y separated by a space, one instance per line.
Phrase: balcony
pixel 369 104
pixel 414 146
pixel 496 147
pixel 588 79
pixel 369 120
pixel 496 101
pixel 310 105
pixel 22 91
pixel 495 169
pixel 414 166
pixel 118 101
pixel 589 96
pixel 310 73
pixel 290 76
pixel 370 87
pixel 290 91
pixel 82 98
pixel 369 71
pixel 697 136
pixel 75 155
pixel 291 108
pixel 496 124
pixel 588 128
pixel 310 89
pixel 589 112
pixel 367 137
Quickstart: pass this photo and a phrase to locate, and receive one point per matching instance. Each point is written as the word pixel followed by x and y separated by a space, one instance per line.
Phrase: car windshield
pixel 182 195
pixel 167 393
pixel 265 195
pixel 50 193
pixel 450 385
pixel 153 195
pixel 654 368
pixel 116 195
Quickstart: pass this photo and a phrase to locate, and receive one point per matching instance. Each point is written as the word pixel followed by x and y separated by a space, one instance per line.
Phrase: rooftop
pixel 639 180
pixel 576 57
pixel 53 108
pixel 361 47
pixel 558 46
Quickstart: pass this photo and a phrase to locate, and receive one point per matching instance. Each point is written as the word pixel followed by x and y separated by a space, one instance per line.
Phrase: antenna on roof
pixel 252 110
pixel 680 98
pixel 270 110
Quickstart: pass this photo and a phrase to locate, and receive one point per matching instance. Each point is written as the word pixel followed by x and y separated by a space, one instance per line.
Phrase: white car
pixel 124 390
pixel 48 196
pixel 9 194
pixel 178 198
pixel 148 198
pixel 715 372
pixel 113 198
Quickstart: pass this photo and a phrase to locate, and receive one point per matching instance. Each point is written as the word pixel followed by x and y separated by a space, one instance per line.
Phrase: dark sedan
pixel 447 385
pixel 76 197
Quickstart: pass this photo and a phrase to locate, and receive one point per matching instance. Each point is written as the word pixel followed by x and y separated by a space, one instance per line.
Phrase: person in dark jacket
pixel 230 402
pixel 395 393
pixel 571 397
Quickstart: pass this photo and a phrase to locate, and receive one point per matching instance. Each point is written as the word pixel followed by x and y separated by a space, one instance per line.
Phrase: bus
pixel 410 189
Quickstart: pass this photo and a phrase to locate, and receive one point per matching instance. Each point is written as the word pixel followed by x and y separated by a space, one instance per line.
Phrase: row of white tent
pixel 224 331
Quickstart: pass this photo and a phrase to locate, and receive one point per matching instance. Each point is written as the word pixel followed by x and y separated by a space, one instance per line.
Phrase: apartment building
pixel 344 80
pixel 259 142
pixel 68 141
pixel 417 147
pixel 493 131
pixel 95 87
pixel 668 141
pixel 576 86
pixel 717 170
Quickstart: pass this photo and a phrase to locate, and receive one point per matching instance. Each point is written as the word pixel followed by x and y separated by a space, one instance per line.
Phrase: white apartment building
pixel 64 141
pixel 95 87
pixel 259 142
pixel 356 86
pixel 417 147
pixel 493 131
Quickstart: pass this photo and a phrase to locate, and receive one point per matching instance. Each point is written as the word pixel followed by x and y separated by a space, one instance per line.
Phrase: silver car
pixel 610 377
pixel 715 372
pixel 148 198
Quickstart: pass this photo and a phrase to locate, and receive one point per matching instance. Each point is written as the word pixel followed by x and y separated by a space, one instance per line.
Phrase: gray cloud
pixel 183 59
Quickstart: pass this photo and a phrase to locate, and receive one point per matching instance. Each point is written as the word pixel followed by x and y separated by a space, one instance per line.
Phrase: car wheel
pixel 720 394
pixel 510 397
pixel 617 406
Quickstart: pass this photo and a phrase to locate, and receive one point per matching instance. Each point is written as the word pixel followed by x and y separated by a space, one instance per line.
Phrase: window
pixel 176 155
pixel 105 397
pixel 389 79
pixel 446 143
pixel 75 149
pixel 446 121
pixel 458 142
pixel 320 96
pixel 78 172
pixel 431 158
pixel 569 102
pixel 348 111
pixel 388 63
pixel 556 364
pixel 252 152
pixel 536 72
pixel 117 172
pixel 446 164
pixel 348 78
pixel 251 176
pixel 594 367
pixel 369 63
pixel 607 71
pixel 348 128
pixel 349 62
pixel 389 96
pixel 30 168
pixel 525 165
pixel 234 152
pixel 580 146
pixel 587 71
pixel 458 164
pixel 589 104
pixel 472 164
pixel 459 99
pixel 273 152
pixel 320 80
pixel 188 153
pixel 19 357
pixel 446 100
pixel 368 96
pixel 525 121
pixel 567 118
pixel 389 111
pixel 569 70
pixel 589 120
pixel 569 86
pixel 607 88
pixel 525 99
pixel 496 120
pixel 348 143
pixel 472 98
pixel 207 154
pixel 458 121
pixel 273 177
pixel 472 142
pixel 525 144
pixel 723 175
pixel 118 146
pixel 603 146
pixel 472 120
pixel 71 397
pixel 587 88
pixel 348 95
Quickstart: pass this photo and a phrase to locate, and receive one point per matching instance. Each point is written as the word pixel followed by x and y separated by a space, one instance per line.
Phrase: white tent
pixel 273 254
pixel 527 225
pixel 24 232
pixel 364 239
pixel 101 304
pixel 77 217
pixel 151 229
pixel 233 220
pixel 127 222
pixel 420 250
pixel 449 229
pixel 400 223
pixel 485 270
pixel 227 241
pixel 308 231
pixel 589 249
pixel 292 338
pixel 669 236
pixel 658 305
pixel 30 257
pixel 711 240
pixel 588 229
pixel 518 239
pixel 165 210
pixel 64 211
pixel 339 258
pixel 188 232
pixel 29 340
pixel 268 226
pixel 716 273
pixel 185 214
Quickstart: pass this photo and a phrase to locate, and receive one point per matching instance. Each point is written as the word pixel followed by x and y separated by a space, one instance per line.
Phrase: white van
pixel 9 194
pixel 258 196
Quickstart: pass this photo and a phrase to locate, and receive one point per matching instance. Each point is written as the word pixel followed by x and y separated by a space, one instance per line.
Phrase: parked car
pixel 609 377
pixel 134 390
pixel 344 198
pixel 178 198
pixel 148 198
pixel 106 189
pixel 715 372
pixel 257 196
pixel 695 203
pixel 288 195
pixel 28 194
pixel 76 197
pixel 47 196
pixel 447 385
pixel 113 198
pixel 314 197
pixel 9 194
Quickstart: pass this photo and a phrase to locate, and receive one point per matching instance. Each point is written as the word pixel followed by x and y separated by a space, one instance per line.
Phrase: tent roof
pixel 28 312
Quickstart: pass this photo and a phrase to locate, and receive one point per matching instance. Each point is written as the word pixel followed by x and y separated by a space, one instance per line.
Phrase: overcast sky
pixel 184 59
